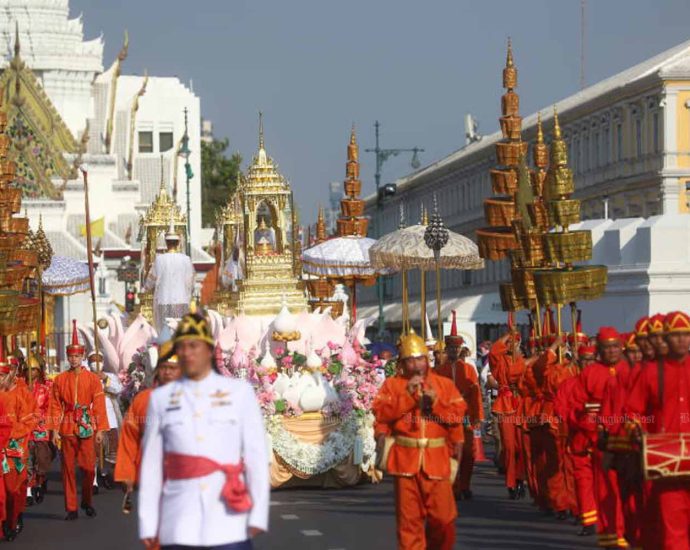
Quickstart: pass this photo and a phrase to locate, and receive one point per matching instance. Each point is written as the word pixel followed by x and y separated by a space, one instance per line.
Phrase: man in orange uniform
pixel 465 378
pixel 507 368
pixel 550 373
pixel 423 412
pixel 134 423
pixel 77 418
pixel 662 395
pixel 20 407
pixel 579 448
pixel 594 381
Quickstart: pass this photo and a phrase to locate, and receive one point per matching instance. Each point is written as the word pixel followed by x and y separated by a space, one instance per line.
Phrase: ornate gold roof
pixel 39 135
pixel 163 210
pixel 262 174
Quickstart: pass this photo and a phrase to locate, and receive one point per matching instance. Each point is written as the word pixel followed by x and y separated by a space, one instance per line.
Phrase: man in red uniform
pixel 655 333
pixel 77 418
pixel 661 396
pixel 507 368
pixel 465 378
pixel 423 412
pixel 594 381
pixel 20 408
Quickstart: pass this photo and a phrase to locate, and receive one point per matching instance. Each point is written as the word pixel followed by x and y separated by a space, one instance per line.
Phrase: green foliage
pixel 218 178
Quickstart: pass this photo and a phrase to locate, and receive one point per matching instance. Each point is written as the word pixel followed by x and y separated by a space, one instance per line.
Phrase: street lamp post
pixel 185 153
pixel 382 155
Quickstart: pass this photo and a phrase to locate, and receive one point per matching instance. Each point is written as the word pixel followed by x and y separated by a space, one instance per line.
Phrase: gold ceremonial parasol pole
pixel 89 252
pixel 573 320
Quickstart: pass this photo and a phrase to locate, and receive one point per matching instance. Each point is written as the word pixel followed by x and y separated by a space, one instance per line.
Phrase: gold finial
pixel 556 125
pixel 320 226
pixel 162 188
pixel 353 135
pixel 540 131
pixel 193 308
pixel 262 223
pixel 509 54
pixel 425 216
pixel 17 46
pixel 261 130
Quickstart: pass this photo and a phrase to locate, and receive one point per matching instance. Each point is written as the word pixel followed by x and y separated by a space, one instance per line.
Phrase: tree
pixel 218 178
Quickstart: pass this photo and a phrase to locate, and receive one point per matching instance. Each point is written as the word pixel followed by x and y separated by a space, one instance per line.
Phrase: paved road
pixel 360 518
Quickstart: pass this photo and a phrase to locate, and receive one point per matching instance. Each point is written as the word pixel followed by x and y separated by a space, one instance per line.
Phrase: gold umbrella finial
pixel 540 130
pixel 556 124
pixel 509 54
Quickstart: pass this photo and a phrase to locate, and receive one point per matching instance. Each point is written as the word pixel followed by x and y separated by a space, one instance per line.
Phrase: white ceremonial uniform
pixel 172 279
pixel 217 418
pixel 113 388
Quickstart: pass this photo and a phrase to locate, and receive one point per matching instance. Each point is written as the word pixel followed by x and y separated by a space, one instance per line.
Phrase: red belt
pixel 178 466
pixel 509 391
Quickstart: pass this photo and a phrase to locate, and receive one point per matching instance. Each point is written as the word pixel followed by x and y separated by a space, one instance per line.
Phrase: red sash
pixel 178 466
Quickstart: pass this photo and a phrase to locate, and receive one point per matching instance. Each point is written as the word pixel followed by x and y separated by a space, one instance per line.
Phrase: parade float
pixel 313 377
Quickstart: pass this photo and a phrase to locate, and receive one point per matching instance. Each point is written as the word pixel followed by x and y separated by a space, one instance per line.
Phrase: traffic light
pixel 129 301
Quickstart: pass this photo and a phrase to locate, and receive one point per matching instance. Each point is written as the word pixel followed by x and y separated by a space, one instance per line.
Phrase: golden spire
pixel 510 71
pixel 321 227
pixel 162 187
pixel 540 131
pixel 509 54
pixel 556 125
pixel 261 130
pixel 17 47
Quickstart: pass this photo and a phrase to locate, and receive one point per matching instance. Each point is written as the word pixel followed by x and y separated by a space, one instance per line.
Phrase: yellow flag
pixel 97 228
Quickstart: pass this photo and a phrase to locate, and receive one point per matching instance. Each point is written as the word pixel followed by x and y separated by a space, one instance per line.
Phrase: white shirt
pixel 172 276
pixel 113 388
pixel 218 418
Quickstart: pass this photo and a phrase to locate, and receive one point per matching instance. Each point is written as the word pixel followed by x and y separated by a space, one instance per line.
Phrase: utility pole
pixel 382 155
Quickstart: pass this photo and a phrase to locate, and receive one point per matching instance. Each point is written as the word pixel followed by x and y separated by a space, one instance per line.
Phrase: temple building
pixel 627 141
pixel 64 111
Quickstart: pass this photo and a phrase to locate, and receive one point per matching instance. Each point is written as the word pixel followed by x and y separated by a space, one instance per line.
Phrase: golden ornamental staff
pixel 436 237
pixel 89 252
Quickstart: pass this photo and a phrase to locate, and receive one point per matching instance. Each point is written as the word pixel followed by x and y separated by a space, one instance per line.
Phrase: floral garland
pixel 310 458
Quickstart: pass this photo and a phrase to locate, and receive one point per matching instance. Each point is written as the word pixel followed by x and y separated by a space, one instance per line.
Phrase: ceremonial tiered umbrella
pixel 344 258
pixel 409 248
pixel 65 276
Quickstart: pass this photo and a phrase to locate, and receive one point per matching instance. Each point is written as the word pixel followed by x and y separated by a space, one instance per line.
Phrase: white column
pixel 670 194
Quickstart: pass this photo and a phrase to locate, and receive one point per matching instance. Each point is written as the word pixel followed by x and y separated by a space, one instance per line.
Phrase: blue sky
pixel 316 66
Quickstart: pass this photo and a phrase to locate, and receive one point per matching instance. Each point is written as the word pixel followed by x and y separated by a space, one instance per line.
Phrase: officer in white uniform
pixel 205 472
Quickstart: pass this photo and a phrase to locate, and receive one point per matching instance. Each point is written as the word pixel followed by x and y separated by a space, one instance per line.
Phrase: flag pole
pixel 89 253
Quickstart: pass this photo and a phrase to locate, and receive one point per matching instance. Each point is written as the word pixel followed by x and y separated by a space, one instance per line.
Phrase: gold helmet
pixel 166 353
pixel 411 345
pixel 34 361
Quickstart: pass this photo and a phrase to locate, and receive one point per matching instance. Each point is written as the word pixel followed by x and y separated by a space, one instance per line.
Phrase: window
pixel 638 136
pixel 585 161
pixel 146 142
pixel 619 141
pixel 606 148
pixel 656 132
pixel 595 152
pixel 165 141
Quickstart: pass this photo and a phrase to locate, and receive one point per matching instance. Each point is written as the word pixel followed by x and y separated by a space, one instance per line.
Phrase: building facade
pixel 629 147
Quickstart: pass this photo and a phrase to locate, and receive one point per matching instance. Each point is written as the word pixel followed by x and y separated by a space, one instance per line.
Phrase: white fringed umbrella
pixel 65 276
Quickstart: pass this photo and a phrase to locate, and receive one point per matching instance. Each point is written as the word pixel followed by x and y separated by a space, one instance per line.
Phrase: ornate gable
pixel 40 138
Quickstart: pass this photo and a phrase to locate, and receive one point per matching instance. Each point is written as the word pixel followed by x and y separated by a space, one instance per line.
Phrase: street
pixel 360 518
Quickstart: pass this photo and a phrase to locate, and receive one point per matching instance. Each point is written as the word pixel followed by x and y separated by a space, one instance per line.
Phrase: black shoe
pixel 71 516
pixel 9 534
pixel 563 514
pixel 30 501
pixel 587 531
pixel 107 481
pixel 521 490
pixel 512 494
pixel 89 510
pixel 467 495
pixel 95 489
pixel 39 495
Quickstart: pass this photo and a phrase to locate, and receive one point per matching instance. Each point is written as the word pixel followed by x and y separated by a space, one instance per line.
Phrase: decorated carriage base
pixel 315 386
